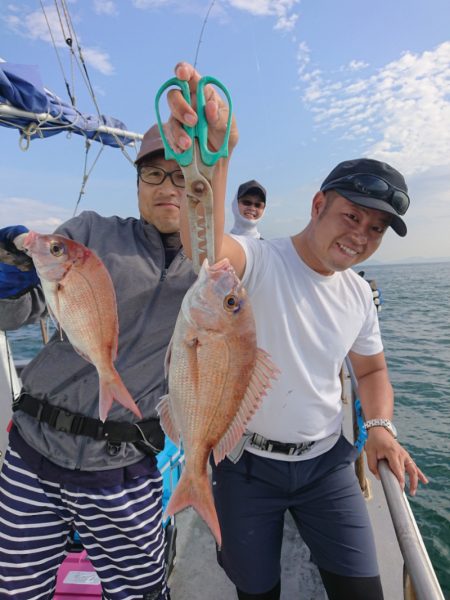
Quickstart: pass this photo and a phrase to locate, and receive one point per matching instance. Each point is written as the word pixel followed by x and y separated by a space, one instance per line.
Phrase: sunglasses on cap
pixel 374 186
pixel 257 204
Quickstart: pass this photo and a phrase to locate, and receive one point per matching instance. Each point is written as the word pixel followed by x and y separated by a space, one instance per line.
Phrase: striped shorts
pixel 120 528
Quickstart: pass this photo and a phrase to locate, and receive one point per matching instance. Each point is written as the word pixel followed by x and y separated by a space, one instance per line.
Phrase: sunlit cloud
pixel 355 65
pixel 46 27
pixel 399 113
pixel 98 60
pixel 38 216
pixel 105 7
pixel 281 10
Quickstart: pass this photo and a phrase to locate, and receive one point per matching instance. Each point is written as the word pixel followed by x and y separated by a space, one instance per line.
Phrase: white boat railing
pixel 40 119
pixel 417 562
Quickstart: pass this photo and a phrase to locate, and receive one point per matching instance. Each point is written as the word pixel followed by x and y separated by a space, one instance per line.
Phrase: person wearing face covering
pixel 248 208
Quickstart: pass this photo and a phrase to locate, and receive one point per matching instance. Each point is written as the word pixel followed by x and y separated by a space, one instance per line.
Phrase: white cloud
pixel 282 10
pixel 38 216
pixel 98 60
pixel 355 65
pixel 34 25
pixel 105 7
pixel 404 107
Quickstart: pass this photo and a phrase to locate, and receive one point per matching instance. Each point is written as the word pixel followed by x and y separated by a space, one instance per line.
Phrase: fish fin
pixel 196 492
pixel 114 389
pixel 263 371
pixel 167 419
pixel 167 358
pixel 53 318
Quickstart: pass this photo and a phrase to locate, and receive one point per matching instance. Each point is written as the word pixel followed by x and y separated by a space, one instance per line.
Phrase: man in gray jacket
pixel 64 468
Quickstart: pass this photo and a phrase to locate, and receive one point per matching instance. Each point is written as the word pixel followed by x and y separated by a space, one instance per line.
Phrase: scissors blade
pixel 200 209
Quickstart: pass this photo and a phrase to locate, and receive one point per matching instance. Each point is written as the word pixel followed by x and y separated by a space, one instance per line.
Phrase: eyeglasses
pixel 372 185
pixel 250 203
pixel 157 176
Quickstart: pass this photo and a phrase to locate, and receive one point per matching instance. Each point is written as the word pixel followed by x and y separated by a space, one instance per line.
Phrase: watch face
pixel 394 429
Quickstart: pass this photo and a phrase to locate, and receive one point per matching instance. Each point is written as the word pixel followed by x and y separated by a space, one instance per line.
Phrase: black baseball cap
pixel 396 203
pixel 252 187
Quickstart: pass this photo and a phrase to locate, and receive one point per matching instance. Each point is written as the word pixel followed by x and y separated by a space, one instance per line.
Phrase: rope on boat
pixel 76 57
pixel 359 435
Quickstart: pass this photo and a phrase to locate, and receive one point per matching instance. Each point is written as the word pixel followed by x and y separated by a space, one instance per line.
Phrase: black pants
pixel 337 588
pixel 324 498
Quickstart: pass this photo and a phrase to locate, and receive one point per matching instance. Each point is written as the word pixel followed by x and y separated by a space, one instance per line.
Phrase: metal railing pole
pixel 417 561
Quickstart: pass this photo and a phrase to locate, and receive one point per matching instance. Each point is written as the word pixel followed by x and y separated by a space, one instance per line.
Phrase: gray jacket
pixel 148 301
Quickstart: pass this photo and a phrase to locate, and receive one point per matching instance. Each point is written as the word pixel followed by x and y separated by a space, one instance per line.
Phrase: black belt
pixel 146 434
pixel 262 443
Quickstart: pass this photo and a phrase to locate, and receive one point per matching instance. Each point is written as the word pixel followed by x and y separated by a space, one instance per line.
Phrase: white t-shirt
pixel 308 323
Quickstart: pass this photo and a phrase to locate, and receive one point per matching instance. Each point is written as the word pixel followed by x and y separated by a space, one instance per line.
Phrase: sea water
pixel 415 325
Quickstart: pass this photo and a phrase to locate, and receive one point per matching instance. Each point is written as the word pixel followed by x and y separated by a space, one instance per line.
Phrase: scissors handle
pixel 200 130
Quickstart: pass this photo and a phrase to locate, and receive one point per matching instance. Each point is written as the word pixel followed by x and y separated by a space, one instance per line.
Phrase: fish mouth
pixel 222 265
pixel 29 240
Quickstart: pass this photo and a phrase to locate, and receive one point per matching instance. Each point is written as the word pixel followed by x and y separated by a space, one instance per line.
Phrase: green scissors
pixel 197 164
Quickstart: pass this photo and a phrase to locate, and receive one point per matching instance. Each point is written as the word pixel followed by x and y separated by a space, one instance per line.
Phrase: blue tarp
pixel 21 88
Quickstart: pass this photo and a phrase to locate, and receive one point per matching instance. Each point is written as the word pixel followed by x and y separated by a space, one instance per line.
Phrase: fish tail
pixel 196 492
pixel 114 389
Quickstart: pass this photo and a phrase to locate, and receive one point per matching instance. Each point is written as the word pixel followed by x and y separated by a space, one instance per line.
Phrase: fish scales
pixel 217 378
pixel 87 307
pixel 80 295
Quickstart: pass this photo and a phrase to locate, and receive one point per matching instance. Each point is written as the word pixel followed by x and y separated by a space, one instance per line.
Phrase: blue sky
pixel 313 82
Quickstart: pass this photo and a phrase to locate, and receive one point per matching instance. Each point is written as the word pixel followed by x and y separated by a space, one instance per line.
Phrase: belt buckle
pixel 303 447
pixel 64 421
pixel 258 441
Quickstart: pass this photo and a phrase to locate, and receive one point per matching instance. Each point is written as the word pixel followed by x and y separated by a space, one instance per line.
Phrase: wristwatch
pixel 381 423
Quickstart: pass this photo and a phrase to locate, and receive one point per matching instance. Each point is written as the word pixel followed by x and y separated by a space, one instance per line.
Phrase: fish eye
pixel 56 248
pixel 231 303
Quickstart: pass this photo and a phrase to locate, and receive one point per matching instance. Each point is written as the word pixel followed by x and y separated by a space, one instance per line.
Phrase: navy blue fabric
pixel 119 527
pixel 14 282
pixel 325 500
pixel 21 86
pixel 8 234
pixel 45 469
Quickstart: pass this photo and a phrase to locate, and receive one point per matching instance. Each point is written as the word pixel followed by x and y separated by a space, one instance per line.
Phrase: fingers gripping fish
pixel 217 379
pixel 80 295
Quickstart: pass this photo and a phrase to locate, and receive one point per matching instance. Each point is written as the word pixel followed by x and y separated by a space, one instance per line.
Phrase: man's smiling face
pixel 160 204
pixel 343 233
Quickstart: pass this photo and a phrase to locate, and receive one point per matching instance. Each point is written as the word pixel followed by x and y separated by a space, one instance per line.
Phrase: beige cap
pixel 151 143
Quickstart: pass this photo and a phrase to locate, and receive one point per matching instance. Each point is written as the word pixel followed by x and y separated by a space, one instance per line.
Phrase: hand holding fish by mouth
pixel 217 378
pixel 16 258
pixel 80 296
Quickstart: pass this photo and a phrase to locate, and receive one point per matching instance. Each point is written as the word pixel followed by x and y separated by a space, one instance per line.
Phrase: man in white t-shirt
pixel 311 311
